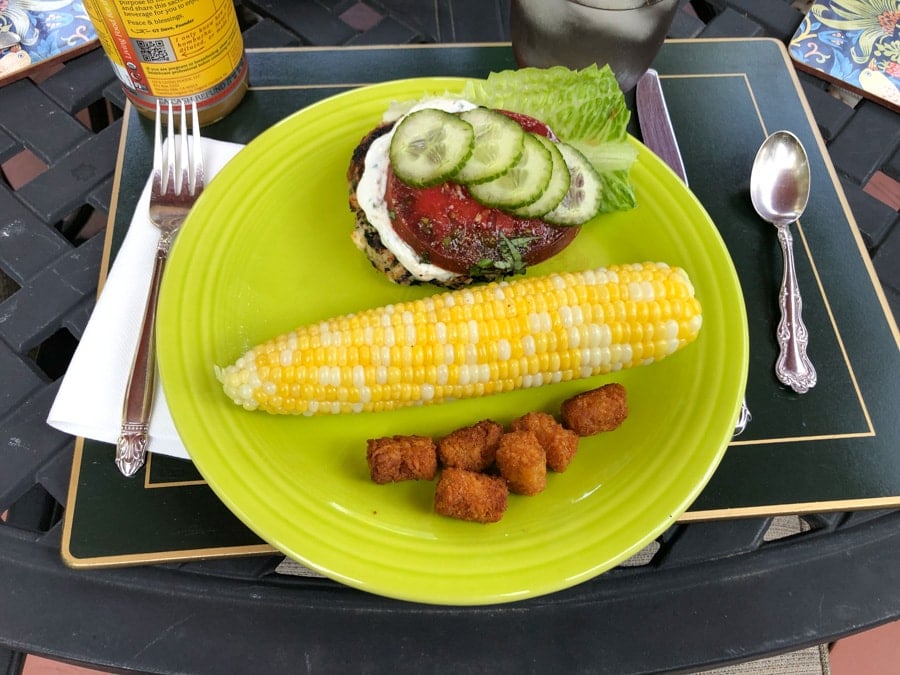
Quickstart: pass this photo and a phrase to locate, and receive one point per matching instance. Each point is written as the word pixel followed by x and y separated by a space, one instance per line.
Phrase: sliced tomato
pixel 448 228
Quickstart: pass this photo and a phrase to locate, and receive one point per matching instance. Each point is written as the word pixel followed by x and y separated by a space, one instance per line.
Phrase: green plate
pixel 267 247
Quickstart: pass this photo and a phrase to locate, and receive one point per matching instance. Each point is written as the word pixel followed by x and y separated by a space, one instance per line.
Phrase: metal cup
pixel 626 34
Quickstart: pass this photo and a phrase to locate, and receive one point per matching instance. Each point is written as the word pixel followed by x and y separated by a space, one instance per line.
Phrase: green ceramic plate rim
pixel 401 550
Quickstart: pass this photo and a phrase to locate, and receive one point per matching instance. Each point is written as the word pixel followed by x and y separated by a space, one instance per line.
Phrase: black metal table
pixel 719 592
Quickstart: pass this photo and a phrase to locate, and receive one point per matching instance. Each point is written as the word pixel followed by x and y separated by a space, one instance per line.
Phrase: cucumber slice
pixel 523 184
pixel 582 201
pixel 429 146
pixel 499 143
pixel 556 189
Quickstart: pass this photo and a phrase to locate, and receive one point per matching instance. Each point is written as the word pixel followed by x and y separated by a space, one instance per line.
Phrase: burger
pixel 453 193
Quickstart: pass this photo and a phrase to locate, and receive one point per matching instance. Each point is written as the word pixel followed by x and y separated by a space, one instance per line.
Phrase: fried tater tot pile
pixel 479 465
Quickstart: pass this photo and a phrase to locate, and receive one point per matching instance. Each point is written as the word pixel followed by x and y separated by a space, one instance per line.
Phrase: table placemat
pixel 831 449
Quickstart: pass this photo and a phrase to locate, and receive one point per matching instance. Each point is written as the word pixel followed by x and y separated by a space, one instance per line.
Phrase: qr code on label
pixel 155 51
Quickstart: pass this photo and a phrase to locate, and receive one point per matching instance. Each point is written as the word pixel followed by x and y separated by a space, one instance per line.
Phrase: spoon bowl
pixel 779 190
pixel 779 183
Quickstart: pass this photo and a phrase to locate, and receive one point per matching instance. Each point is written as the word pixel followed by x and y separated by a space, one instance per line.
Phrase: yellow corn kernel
pixel 486 339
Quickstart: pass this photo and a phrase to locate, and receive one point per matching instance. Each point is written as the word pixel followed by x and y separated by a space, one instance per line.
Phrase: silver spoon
pixel 779 189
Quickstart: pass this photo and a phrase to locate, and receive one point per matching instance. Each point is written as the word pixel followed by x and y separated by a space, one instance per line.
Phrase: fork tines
pixel 169 157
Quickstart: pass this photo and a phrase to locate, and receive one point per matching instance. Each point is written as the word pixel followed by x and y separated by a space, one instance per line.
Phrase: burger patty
pixel 450 229
pixel 365 236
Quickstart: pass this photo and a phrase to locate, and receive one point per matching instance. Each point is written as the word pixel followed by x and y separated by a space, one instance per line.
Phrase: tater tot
pixel 397 458
pixel 522 462
pixel 591 412
pixel 469 495
pixel 472 448
pixel 559 443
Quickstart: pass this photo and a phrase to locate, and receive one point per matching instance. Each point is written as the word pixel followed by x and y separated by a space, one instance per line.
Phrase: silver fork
pixel 177 182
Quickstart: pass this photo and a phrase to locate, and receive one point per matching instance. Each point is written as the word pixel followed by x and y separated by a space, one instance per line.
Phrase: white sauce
pixel 370 193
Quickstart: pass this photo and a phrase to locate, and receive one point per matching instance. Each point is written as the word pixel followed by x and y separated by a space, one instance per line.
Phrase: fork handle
pixel 131 447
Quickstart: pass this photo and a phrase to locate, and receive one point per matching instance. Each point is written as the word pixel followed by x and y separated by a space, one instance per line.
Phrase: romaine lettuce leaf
pixel 578 105
pixel 585 108
pixel 612 160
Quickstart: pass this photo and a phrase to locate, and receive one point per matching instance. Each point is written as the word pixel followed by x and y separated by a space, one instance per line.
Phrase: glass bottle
pixel 174 50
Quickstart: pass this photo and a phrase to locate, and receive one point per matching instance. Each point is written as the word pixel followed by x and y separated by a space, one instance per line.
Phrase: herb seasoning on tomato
pixel 448 228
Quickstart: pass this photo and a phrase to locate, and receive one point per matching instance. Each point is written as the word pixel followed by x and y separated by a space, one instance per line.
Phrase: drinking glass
pixel 626 34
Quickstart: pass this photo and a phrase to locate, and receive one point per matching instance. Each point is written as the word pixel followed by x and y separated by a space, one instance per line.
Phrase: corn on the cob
pixel 479 340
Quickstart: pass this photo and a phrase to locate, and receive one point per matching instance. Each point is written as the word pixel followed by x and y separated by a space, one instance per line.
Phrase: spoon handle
pixel 793 367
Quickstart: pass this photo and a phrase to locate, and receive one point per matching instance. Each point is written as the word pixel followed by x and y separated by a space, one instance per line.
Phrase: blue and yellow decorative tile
pixel 855 44
pixel 39 31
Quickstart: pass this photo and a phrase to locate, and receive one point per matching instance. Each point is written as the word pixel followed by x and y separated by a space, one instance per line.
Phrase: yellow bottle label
pixel 187 49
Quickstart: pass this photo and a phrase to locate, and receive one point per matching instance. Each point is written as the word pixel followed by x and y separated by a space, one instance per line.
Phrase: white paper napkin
pixel 89 401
